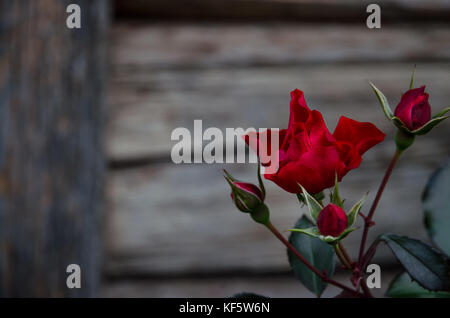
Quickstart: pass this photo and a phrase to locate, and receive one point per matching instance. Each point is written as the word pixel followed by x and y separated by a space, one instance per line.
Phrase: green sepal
pixel 411 83
pixel 335 197
pixel 260 182
pixel 441 113
pixel 229 176
pixel 383 101
pixel 245 201
pixel 314 207
pixel 403 139
pixel 261 214
pixel 301 199
pixel 319 196
pixel 428 126
pixel 400 125
pixel 436 119
pixel 353 214
pixel 314 232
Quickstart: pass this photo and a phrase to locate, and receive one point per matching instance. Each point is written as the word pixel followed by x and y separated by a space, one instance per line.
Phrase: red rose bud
pixel 247 197
pixel 414 110
pixel 332 220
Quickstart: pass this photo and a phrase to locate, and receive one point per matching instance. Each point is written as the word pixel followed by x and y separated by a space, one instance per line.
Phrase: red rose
pixel 414 110
pixel 310 155
pixel 332 220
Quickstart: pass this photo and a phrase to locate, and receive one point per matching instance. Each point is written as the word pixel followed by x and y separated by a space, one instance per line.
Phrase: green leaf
pixel 246 295
pixel 404 287
pixel 436 202
pixel 353 214
pixel 313 206
pixel 428 126
pixel 318 253
pixel 383 101
pixel 426 265
pixel 335 196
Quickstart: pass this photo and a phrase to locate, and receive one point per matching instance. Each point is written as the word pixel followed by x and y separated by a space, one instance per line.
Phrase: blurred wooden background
pixel 52 82
pixel 173 231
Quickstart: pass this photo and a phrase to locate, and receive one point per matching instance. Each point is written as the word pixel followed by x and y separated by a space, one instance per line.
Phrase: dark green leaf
pixel 404 287
pixel 436 202
pixel 318 253
pixel 426 265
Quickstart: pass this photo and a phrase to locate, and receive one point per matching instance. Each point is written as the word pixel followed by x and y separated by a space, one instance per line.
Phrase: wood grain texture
pixel 143 47
pixel 322 11
pixel 178 219
pixel 51 156
pixel 170 74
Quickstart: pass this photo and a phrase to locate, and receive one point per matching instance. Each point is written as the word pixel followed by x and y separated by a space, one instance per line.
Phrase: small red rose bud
pixel 248 196
pixel 332 220
pixel 414 110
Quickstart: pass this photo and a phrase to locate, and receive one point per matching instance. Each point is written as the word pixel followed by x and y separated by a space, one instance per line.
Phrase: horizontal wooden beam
pixel 283 10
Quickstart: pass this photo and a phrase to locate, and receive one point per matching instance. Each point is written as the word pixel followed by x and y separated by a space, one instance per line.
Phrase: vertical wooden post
pixel 51 157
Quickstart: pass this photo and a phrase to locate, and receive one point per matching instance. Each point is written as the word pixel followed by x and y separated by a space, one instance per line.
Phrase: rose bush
pixel 310 159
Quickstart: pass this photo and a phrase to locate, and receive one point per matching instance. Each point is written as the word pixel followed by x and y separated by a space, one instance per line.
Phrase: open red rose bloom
pixel 310 155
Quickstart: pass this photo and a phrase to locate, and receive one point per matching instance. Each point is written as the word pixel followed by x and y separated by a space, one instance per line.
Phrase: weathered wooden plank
pixel 284 10
pixel 51 158
pixel 148 105
pixel 148 47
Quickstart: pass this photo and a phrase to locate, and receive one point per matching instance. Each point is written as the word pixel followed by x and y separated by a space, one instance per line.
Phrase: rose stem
pixel 345 254
pixel 341 257
pixel 366 289
pixel 368 219
pixel 322 276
